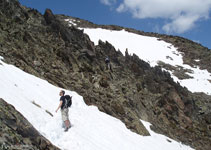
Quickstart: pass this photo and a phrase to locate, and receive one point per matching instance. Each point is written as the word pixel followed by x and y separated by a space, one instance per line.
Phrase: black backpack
pixel 68 101
pixel 107 60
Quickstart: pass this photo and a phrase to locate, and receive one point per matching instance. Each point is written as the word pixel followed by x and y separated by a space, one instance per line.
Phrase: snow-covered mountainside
pixel 92 129
pixel 153 51
pixel 46 46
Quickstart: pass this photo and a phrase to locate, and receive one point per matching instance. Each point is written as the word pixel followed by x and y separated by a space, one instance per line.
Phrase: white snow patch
pixel 71 22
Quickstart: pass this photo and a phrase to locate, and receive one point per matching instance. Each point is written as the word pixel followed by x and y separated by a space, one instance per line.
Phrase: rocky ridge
pixel 47 47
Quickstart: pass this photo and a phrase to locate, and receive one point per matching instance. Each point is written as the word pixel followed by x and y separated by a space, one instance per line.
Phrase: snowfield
pixel 92 129
pixel 152 50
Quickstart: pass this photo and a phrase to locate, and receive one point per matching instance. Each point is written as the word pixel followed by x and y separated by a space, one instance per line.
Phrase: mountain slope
pixel 91 129
pixel 190 50
pixel 47 47
pixel 156 53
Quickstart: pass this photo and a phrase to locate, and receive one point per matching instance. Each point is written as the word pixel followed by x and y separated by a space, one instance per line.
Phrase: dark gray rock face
pixel 47 47
pixel 17 133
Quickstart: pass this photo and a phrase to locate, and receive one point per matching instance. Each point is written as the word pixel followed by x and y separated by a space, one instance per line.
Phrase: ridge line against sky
pixel 186 18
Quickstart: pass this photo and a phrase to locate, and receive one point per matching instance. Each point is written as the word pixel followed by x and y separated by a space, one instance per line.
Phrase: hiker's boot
pixel 66 129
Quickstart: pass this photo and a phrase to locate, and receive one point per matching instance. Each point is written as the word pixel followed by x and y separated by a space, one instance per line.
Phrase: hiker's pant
pixel 108 66
pixel 65 115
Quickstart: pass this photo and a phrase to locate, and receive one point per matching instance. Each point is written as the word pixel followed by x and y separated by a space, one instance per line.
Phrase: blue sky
pixel 187 18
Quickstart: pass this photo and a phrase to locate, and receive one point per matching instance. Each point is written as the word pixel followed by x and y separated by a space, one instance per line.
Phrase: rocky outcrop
pixel 47 47
pixel 17 133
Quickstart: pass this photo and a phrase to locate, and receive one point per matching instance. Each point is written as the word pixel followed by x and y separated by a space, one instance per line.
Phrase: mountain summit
pixel 144 84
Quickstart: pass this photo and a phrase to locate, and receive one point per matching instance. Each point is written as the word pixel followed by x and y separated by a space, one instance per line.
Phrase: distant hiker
pixel 126 53
pixel 65 102
pixel 108 64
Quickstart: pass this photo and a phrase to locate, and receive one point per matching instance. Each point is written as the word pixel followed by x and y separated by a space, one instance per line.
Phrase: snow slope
pixel 92 129
pixel 152 50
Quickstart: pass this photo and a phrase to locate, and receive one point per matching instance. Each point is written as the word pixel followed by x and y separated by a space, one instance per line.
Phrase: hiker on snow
pixel 108 64
pixel 65 102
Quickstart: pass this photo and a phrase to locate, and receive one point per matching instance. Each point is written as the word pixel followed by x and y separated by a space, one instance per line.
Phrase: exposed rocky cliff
pixel 49 48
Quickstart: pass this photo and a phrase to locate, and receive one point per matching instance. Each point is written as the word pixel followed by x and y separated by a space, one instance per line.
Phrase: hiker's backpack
pixel 68 101
pixel 107 60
